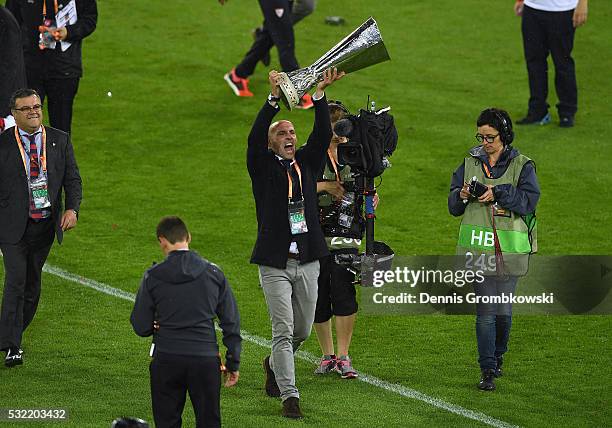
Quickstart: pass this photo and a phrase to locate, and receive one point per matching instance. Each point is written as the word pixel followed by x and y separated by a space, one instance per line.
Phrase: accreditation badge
pixel 346 209
pixel 40 192
pixel 45 38
pixel 297 218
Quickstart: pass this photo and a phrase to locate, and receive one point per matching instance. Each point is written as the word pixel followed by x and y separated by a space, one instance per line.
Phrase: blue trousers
pixel 493 320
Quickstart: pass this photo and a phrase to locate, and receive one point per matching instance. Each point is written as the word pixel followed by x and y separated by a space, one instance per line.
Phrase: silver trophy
pixel 360 49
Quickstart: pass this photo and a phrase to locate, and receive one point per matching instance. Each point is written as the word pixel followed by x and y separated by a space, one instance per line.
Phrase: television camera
pixel 372 139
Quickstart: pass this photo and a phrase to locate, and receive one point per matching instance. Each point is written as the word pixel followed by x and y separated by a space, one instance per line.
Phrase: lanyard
pixel 45 8
pixel 499 257
pixel 334 164
pixel 43 154
pixel 299 173
pixel 486 168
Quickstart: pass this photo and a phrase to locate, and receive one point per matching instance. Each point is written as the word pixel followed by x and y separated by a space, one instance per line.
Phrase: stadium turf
pixel 171 140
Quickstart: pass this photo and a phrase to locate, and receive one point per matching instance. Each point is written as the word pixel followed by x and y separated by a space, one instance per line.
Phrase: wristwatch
pixel 273 99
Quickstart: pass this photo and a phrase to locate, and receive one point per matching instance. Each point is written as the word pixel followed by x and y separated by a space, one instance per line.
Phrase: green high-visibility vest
pixel 517 234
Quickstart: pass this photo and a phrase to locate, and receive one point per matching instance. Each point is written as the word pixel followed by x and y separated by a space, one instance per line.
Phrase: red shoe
pixel 305 102
pixel 239 85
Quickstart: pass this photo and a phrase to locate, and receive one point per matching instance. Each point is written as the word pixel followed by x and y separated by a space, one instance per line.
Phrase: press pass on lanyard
pixel 297 217
pixel 40 192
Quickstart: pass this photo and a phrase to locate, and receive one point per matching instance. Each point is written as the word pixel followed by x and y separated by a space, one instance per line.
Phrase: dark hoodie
pixel 183 294
pixel 521 199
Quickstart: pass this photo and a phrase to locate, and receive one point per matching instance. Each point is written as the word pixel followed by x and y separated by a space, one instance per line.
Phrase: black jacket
pixel 53 63
pixel 62 171
pixel 12 68
pixel 521 199
pixel 185 293
pixel 270 187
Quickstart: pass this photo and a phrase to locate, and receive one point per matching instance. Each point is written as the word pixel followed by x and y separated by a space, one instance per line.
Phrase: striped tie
pixel 35 213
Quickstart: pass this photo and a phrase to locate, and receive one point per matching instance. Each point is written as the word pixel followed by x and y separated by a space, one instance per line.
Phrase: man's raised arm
pixel 319 139
pixel 258 137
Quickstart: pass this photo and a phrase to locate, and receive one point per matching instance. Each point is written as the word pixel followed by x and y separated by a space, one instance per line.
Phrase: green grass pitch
pixel 172 140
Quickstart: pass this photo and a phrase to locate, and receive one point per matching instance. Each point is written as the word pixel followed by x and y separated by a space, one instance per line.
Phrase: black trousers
pixel 276 31
pixel 172 376
pixel 23 263
pixel 60 94
pixel 551 33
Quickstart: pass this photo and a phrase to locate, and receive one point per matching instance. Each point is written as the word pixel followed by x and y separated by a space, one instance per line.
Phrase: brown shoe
pixel 272 388
pixel 291 408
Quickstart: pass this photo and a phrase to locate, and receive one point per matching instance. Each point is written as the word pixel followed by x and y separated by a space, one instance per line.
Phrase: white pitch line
pixel 303 355
pixel 98 286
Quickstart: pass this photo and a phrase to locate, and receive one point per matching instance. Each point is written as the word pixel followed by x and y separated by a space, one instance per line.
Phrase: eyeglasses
pixel 490 138
pixel 28 109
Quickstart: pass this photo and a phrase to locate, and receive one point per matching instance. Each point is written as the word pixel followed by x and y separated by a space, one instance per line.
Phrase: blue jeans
pixel 493 320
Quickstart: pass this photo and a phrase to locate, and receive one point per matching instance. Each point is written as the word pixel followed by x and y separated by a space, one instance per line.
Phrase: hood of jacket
pixel 179 266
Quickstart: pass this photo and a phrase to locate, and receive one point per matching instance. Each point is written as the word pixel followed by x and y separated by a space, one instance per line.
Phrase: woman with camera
pixel 496 191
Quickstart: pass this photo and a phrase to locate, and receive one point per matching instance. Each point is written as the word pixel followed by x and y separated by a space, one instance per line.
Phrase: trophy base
pixel 289 93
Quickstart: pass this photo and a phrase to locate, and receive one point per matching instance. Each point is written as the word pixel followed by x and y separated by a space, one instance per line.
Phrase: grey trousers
pixel 291 296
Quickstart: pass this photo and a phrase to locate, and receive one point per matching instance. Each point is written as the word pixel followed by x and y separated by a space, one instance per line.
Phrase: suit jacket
pixel 53 63
pixel 63 176
pixel 270 187
pixel 12 68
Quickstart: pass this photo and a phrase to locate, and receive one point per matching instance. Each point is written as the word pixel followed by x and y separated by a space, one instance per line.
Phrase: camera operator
pixel 289 239
pixel 499 225
pixel 337 296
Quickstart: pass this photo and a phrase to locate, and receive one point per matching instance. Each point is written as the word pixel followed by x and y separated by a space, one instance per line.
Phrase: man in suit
pixel 289 239
pixel 12 70
pixel 36 164
pixel 54 69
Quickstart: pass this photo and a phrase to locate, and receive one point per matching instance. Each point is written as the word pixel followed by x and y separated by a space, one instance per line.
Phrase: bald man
pixel 289 239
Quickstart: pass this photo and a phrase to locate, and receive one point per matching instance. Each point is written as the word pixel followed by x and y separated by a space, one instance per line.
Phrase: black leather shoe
pixel 272 388
pixel 498 367
pixel 566 121
pixel 291 408
pixel 14 357
pixel 486 380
